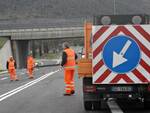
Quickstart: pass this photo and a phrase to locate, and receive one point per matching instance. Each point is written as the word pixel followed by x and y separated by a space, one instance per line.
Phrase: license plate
pixel 123 89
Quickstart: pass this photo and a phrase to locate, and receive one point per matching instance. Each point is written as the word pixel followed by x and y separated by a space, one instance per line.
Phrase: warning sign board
pixel 121 54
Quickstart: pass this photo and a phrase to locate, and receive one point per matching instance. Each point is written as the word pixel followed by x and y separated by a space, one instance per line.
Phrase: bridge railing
pixel 42 33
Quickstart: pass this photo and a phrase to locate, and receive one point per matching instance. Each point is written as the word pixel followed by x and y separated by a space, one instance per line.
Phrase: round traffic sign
pixel 121 54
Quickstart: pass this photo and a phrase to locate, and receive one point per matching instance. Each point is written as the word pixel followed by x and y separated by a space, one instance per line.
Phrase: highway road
pixel 44 94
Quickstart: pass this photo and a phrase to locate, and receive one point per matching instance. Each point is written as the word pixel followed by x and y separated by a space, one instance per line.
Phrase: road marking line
pixel 18 73
pixel 113 106
pixel 4 78
pixel 21 73
pixel 36 69
pixel 12 92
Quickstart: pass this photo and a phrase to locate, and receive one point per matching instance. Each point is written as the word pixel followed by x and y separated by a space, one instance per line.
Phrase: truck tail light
pixel 89 89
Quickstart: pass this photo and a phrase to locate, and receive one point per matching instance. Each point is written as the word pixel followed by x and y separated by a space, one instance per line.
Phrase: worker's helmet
pixel 65 45
pixel 11 58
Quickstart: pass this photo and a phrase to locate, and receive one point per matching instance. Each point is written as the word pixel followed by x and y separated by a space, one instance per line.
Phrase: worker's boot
pixel 31 77
pixel 17 79
pixel 66 94
pixel 72 92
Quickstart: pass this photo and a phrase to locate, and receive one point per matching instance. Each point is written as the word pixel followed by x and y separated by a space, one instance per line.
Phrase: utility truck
pixel 117 60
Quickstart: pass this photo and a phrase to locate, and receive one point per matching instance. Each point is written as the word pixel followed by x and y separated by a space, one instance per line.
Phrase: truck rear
pixel 117 60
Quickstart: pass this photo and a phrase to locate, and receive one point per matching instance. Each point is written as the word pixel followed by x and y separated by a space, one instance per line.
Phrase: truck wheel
pixel 97 105
pixel 88 105
pixel 147 104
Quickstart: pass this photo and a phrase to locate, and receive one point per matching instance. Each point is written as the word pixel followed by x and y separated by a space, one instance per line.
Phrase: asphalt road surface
pixel 44 94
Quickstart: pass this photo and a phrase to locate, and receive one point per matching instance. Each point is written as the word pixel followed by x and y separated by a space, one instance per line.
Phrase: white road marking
pixel 25 72
pixel 36 69
pixel 12 92
pixel 18 73
pixel 113 106
pixel 4 78
pixel 21 73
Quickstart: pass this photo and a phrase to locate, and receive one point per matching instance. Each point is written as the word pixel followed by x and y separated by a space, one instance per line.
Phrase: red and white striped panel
pixel 101 74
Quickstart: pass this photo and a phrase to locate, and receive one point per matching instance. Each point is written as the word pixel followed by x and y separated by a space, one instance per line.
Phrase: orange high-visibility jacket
pixel 70 64
pixel 30 62
pixel 11 64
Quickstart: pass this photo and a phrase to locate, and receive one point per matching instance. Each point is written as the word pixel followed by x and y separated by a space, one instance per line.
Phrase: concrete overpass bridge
pixel 20 38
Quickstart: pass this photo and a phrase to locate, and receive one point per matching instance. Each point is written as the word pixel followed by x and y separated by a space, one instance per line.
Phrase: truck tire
pixel 147 104
pixel 97 105
pixel 88 105
pixel 147 101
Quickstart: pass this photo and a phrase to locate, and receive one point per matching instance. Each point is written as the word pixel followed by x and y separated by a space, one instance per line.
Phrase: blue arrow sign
pixel 121 54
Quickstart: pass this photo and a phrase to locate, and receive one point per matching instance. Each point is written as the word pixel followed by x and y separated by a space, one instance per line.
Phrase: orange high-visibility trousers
pixel 30 72
pixel 12 73
pixel 69 80
pixel 30 66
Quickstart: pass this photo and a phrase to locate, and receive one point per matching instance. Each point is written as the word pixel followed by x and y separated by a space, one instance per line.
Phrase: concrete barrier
pixel 5 53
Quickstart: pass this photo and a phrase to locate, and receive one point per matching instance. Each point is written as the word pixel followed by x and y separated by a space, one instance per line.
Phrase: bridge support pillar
pixel 20 52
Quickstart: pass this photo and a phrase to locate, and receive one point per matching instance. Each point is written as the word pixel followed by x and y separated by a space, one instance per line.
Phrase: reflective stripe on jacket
pixel 70 64
pixel 11 64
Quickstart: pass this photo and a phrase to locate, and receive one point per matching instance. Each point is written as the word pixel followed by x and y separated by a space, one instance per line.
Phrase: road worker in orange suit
pixel 68 62
pixel 30 66
pixel 11 66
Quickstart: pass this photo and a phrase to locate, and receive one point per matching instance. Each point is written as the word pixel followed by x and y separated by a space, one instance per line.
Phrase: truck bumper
pixel 106 91
pixel 92 97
